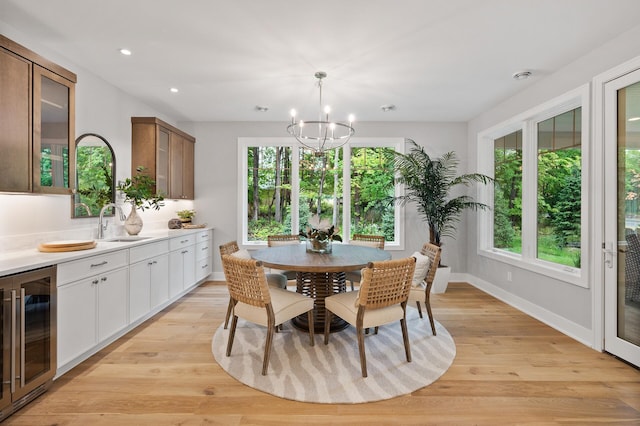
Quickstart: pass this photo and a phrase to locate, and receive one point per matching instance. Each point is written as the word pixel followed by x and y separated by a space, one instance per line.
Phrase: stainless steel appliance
pixel 28 315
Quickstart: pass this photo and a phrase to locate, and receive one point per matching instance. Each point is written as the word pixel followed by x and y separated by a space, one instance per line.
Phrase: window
pixel 539 163
pixel 284 185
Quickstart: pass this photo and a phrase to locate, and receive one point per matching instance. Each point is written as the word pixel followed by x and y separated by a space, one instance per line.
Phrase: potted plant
pixel 319 235
pixel 428 183
pixel 139 190
pixel 186 215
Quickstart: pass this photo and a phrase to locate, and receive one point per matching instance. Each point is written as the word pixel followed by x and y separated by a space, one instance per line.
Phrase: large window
pixel 539 163
pixel 284 185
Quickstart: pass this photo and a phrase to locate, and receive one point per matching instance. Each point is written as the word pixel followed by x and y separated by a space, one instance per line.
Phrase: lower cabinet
pixel 182 264
pixel 148 278
pixel 90 310
pixel 204 265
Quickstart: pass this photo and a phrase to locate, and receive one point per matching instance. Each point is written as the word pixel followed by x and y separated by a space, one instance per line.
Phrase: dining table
pixel 319 275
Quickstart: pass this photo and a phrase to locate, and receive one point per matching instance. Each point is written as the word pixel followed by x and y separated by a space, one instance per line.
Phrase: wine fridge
pixel 28 315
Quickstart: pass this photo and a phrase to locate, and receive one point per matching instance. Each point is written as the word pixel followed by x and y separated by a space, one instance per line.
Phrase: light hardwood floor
pixel 509 369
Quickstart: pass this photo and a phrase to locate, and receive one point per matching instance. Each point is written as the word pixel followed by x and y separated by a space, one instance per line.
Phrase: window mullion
pixel 529 190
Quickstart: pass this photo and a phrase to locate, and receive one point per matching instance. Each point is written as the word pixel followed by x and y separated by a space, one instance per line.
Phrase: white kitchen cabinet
pixel 148 278
pixel 182 264
pixel 204 264
pixel 93 308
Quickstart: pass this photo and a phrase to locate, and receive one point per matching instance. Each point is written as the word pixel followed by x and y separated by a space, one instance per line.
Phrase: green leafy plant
pixel 429 183
pixel 186 214
pixel 140 191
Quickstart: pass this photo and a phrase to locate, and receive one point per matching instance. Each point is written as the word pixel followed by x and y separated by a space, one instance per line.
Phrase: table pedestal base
pixel 319 285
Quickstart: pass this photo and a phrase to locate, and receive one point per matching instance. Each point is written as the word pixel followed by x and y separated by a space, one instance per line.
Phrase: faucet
pixel 101 227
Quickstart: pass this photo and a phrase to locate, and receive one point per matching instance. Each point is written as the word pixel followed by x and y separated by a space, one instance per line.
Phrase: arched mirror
pixel 95 176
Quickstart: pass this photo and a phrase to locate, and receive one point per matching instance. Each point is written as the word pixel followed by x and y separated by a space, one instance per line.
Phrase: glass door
pixel 622 217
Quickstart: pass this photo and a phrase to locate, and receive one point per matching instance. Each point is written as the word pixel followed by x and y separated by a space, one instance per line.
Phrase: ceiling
pixel 435 60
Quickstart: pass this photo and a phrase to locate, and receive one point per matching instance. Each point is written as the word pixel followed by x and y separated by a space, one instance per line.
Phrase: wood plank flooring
pixel 509 369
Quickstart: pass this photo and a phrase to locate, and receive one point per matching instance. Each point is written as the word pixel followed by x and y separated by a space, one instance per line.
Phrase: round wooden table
pixel 319 275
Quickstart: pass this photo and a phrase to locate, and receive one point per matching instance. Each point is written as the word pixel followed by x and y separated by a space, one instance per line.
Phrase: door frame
pixel 597 183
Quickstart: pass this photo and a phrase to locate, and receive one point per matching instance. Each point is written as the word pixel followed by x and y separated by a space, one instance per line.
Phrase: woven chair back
pixel 433 252
pixel 282 240
pixel 386 283
pixel 246 280
pixel 376 241
pixel 229 248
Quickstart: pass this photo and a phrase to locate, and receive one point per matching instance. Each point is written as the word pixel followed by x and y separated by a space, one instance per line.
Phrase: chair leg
pixel 327 325
pixel 267 348
pixel 229 311
pixel 405 338
pixel 311 326
pixel 433 326
pixel 419 310
pixel 352 287
pixel 363 357
pixel 232 334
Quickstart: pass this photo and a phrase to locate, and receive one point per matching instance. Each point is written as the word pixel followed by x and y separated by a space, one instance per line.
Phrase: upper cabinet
pixel 167 153
pixel 37 110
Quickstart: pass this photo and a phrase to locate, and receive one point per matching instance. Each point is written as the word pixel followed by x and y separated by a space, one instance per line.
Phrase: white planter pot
pixel 441 280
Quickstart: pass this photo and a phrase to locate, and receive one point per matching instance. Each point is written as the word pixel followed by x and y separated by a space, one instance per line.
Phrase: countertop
pixel 12 262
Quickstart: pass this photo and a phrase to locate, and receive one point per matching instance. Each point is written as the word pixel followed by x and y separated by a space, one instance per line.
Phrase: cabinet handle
pixel 184 251
pixel 205 248
pixel 149 263
pixel 184 241
pixel 95 265
pixel 23 344
pixel 103 279
pixel 155 261
pixel 205 266
pixel 94 282
pixel 13 342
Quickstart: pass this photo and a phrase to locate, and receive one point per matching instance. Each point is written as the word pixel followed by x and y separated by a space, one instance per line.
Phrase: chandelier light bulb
pixel 293 113
pixel 351 118
pixel 327 109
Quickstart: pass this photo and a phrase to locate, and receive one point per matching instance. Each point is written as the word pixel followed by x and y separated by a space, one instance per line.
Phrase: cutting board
pixel 66 245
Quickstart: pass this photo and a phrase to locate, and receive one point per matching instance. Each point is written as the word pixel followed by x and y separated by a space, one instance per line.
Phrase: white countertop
pixel 12 262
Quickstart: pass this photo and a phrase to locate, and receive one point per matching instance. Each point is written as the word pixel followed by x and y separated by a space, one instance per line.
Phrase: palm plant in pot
pixel 139 190
pixel 429 183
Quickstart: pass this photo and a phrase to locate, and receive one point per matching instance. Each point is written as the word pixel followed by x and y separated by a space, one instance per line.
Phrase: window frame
pixel 527 122
pixel 361 142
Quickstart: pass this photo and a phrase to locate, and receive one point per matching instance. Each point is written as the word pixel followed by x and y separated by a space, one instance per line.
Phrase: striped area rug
pixel 331 374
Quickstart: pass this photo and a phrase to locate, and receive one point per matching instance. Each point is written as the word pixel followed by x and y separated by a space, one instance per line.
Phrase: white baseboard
pixel 563 325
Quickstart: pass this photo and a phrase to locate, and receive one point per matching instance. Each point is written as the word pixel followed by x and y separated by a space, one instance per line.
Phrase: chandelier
pixel 322 134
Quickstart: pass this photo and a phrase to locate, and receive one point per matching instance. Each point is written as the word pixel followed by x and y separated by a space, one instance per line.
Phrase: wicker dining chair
pixel 382 299
pixel 421 288
pixel 274 280
pixel 254 301
pixel 375 241
pixel 283 240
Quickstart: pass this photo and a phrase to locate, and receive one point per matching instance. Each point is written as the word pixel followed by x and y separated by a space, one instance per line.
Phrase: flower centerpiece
pixel 319 235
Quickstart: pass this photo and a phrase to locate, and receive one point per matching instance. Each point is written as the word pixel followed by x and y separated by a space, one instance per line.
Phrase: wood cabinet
pixel 167 153
pixel 37 122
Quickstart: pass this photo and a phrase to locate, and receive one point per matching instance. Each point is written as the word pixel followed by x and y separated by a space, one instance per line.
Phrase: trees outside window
pixel 285 185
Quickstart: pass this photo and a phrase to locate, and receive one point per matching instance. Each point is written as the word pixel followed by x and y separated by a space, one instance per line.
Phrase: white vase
pixel 441 280
pixel 133 223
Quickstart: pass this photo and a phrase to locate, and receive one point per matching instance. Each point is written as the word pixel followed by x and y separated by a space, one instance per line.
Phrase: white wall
pixel 565 306
pixel 217 188
pixel 101 109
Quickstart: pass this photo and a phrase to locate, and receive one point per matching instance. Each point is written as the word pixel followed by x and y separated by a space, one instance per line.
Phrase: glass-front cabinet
pixel 36 122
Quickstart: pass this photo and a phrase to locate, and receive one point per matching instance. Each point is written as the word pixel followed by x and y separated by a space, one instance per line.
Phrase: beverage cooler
pixel 28 362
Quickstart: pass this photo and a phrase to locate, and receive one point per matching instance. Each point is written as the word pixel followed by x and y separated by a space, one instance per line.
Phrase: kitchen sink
pixel 125 239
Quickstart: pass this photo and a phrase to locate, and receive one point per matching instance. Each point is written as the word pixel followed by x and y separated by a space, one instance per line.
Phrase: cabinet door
pixel 176 272
pixel 53 132
pixel 188 153
pixel 77 328
pixel 176 164
pixel 15 123
pixel 112 303
pixel 162 160
pixel 159 280
pixel 189 266
pixel 139 289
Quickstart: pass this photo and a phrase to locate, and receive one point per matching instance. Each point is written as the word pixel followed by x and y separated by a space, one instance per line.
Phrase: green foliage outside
pixel 94 186
pixel 321 188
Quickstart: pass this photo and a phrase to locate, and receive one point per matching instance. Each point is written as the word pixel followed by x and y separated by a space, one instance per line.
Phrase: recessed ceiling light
pixel 261 108
pixel 125 52
pixel 174 90
pixel 521 75
pixel 634 119
pixel 387 108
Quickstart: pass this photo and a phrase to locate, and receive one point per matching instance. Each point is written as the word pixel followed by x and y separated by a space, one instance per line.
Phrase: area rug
pixel 331 374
